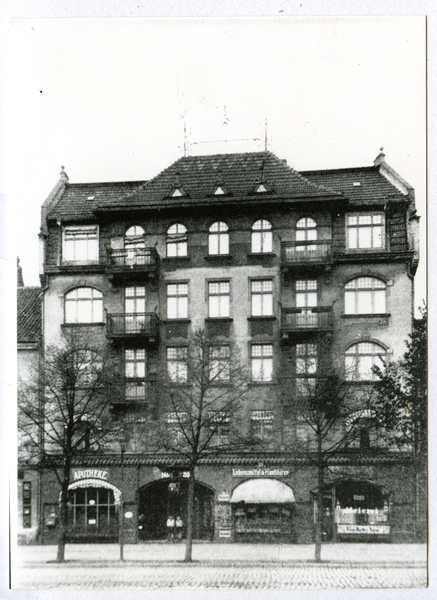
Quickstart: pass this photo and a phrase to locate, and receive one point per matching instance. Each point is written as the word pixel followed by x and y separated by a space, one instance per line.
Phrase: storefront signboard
pixel 90 474
pixel 260 472
pixel 225 533
pixel 224 497
pixel 167 475
pixel 372 529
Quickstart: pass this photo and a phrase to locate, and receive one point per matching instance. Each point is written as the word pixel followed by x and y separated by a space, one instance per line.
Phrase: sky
pixel 108 99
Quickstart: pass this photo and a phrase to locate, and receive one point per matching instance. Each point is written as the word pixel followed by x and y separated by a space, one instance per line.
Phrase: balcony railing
pixel 306 252
pixel 132 324
pixel 132 260
pixel 303 319
pixel 140 390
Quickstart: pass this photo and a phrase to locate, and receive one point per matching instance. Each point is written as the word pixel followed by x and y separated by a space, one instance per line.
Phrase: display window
pixel 262 522
pixel 93 511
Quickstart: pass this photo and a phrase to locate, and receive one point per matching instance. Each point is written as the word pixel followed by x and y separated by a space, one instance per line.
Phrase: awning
pixel 262 491
pixel 97 483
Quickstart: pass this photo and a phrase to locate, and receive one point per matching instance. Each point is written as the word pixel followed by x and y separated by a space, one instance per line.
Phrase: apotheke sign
pixel 90 474
pixel 260 472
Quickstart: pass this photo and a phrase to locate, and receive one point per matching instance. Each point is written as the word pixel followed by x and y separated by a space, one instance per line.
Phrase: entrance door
pixel 161 499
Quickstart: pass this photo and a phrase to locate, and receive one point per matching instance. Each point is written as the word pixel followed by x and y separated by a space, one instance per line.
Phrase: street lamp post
pixel 122 441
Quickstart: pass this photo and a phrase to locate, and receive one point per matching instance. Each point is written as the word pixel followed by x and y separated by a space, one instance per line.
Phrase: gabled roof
pixel 29 322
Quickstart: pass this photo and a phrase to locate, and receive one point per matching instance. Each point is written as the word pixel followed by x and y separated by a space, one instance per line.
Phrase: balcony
pixel 133 326
pixel 137 391
pixel 300 255
pixel 133 263
pixel 306 320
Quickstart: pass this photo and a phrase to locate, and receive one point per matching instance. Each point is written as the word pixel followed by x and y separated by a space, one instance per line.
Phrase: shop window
pixel 306 369
pixel 262 238
pixel 365 231
pixel 360 360
pixel 84 305
pixel 27 504
pixel 361 508
pixel 219 364
pixel 177 240
pixel 219 427
pixel 262 363
pixel 92 510
pixel 218 239
pixel 365 295
pixel 177 364
pixel 218 299
pixel 262 297
pixel 261 426
pixel 177 301
pixel 81 244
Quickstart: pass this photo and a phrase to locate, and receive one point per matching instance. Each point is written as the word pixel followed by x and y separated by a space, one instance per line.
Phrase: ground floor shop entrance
pixel 161 499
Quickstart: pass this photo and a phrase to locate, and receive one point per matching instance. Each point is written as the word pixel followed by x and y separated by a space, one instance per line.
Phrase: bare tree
pixel 330 415
pixel 75 386
pixel 204 385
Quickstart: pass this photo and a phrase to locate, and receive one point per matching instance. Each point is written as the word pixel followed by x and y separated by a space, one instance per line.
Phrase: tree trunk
pixel 319 514
pixel 190 508
pixel 63 518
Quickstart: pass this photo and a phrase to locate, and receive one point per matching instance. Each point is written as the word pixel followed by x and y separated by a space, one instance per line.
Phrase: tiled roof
pixel 80 199
pixel 373 185
pixel 29 323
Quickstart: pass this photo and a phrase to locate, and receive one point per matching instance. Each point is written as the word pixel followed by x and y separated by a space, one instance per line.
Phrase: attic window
pixel 356 183
pixel 90 197
pixel 219 191
pixel 260 188
pixel 177 193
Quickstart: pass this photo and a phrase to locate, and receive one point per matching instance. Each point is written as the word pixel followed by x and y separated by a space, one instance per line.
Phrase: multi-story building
pixel 306 272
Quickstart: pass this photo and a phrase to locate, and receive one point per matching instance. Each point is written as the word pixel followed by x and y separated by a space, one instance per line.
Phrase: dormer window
pixel 219 191
pixel 365 231
pixel 177 193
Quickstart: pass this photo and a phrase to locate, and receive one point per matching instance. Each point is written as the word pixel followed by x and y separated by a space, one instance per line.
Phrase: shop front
pixel 355 510
pixel 262 511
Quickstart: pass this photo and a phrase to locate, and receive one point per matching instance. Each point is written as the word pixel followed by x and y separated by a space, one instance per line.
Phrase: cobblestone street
pixel 159 566
pixel 246 576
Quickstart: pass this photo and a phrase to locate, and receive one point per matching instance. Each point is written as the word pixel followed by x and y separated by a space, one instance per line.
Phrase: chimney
pixel 20 282
pixel 63 175
pixel 380 158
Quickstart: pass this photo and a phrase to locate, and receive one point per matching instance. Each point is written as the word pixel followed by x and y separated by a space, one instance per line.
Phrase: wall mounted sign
pixel 90 474
pixel 225 533
pixel 224 497
pixel 264 472
pixel 166 475
pixel 129 514
pixel 372 529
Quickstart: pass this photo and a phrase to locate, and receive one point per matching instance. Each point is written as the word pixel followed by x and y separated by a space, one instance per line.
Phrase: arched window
pixel 84 305
pixel 177 240
pixel 306 230
pixel 360 360
pixel 262 239
pixel 365 295
pixel 134 237
pixel 218 239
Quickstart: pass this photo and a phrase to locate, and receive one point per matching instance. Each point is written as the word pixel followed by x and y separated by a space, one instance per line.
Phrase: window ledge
pixel 261 254
pixel 218 257
pixel 169 321
pixel 170 258
pixel 262 318
pixel 67 325
pixel 366 316
pixel 255 383
pixel 218 320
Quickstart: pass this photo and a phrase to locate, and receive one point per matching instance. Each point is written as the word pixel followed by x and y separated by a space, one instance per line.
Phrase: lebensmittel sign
pixel 372 529
pixel 260 472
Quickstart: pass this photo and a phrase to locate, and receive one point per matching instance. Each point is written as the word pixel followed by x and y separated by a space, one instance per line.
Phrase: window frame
pixel 179 361
pixel 262 359
pixel 65 254
pixel 172 241
pixel 91 300
pixel 219 295
pixel 221 235
pixel 305 230
pixel 356 368
pixel 360 226
pixel 266 420
pixel 222 362
pixel 179 304
pixel 262 294
pixel 306 374
pixel 356 293
pixel 265 235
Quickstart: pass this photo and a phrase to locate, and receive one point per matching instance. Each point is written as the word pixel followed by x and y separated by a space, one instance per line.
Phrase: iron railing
pixel 143 258
pixel 306 318
pixel 131 324
pixel 303 252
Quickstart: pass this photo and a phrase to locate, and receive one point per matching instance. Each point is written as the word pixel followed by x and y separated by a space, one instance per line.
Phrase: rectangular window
pixel 365 231
pixel 219 427
pixel 177 301
pixel 261 425
pixel 135 363
pixel 218 298
pixel 81 244
pixel 177 364
pixel 306 369
pixel 262 297
pixel 135 300
pixel 306 293
pixel 219 363
pixel 262 362
pixel 27 502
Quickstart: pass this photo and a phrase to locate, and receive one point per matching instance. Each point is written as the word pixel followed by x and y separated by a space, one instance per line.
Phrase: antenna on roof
pixel 225 118
pixel 265 133
pixel 185 137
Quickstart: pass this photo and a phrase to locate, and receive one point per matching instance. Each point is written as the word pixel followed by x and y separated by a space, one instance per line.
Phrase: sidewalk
pixel 342 554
